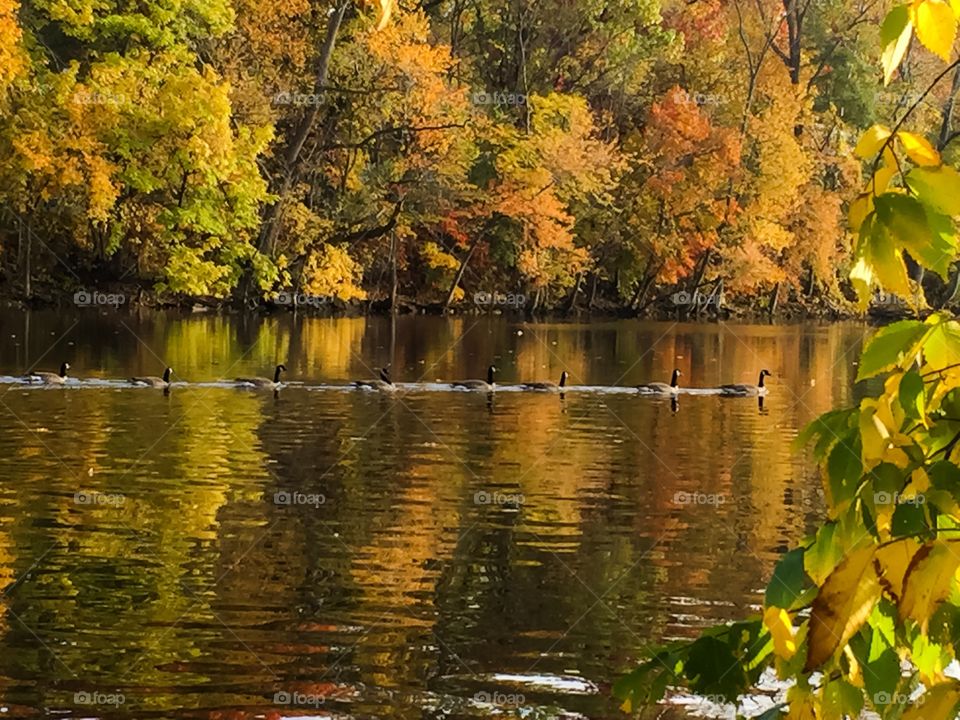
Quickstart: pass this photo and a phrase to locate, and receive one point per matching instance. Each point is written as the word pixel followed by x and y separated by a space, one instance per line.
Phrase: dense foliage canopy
pixel 620 149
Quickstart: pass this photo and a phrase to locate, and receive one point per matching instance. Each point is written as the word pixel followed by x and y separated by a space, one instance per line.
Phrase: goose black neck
pixel 276 374
pixel 385 376
pixel 490 371
pixel 563 379
pixel 762 376
pixel 675 378
pixel 166 375
pixel 63 370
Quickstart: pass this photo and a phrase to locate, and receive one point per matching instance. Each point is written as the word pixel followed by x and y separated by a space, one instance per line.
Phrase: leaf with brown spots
pixel 843 604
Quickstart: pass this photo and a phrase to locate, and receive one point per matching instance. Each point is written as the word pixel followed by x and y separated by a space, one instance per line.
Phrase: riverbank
pixel 669 304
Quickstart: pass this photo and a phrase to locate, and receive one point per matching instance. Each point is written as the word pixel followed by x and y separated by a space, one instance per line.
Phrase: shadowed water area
pixel 214 552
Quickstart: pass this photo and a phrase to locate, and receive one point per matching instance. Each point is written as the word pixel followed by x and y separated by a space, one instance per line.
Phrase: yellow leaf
pixel 859 209
pixel 863 279
pixel 843 604
pixel 928 580
pixel 855 676
pixel 801 703
pixel 891 563
pixel 918 148
pixel 895 33
pixel 937 703
pixel 777 621
pixel 936 26
pixel 871 142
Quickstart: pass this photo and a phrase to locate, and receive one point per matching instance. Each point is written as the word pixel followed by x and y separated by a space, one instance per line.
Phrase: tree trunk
pixel 593 291
pixel 393 273
pixel 459 276
pixel 774 300
pixel 946 124
pixel 270 226
pixel 572 303
pixel 27 285
pixel 701 271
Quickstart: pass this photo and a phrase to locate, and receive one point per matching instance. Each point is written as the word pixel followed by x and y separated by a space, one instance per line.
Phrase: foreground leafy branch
pixel 865 613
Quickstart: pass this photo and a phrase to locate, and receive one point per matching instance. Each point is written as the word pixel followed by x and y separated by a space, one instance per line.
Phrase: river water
pixel 220 553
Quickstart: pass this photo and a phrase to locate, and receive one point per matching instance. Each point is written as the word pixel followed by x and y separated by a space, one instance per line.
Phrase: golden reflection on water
pixel 464 544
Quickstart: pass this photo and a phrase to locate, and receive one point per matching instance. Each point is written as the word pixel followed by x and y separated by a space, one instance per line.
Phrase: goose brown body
pixel 49 378
pixel 659 388
pixel 262 382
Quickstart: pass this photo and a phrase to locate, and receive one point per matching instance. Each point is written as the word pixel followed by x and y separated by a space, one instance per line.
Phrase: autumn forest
pixel 590 154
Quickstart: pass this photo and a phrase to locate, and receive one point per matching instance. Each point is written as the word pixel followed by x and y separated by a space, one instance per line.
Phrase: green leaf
pixel 895 35
pixel 713 669
pixel 942 347
pixel 827 429
pixel 841 699
pixel 905 219
pixel 788 581
pixel 892 346
pixel 845 468
pixel 936 187
pixel 909 519
pixel 912 396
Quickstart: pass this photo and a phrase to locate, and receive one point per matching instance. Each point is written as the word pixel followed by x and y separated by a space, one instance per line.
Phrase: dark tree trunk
pixel 393 273
pixel 946 124
pixel 270 226
pixel 27 283
pixel 774 300
pixel 459 276
pixel 572 303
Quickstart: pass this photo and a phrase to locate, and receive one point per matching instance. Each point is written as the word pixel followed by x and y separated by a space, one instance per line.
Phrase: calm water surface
pixel 219 553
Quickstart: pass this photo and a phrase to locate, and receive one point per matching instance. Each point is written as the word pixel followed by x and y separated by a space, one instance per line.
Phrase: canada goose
pixel 261 382
pixel 489 385
pixel 48 378
pixel 552 387
pixel 384 383
pixel 153 380
pixel 662 388
pixel 758 389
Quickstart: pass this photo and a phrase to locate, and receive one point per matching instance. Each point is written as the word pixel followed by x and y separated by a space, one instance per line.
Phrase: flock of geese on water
pixel 384 383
